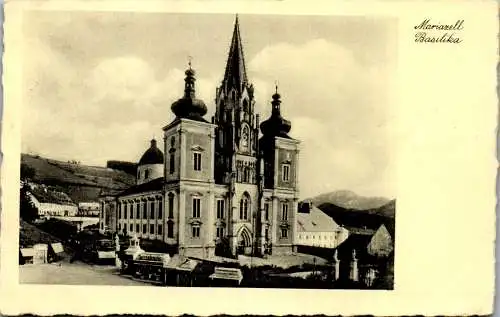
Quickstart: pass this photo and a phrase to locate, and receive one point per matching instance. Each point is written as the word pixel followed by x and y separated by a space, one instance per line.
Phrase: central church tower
pixel 226 191
pixel 237 124
pixel 236 147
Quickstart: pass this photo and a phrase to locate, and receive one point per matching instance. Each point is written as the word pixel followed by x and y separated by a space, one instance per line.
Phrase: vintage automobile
pixel 99 251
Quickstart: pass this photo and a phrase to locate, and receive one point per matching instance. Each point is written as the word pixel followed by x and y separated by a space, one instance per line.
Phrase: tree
pixel 27 209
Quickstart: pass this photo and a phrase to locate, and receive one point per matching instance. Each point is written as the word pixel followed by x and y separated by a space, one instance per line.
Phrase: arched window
pixel 170 229
pixel 246 174
pixel 146 174
pixel 172 162
pixel 170 205
pixel 245 135
pixel 245 105
pixel 244 207
pixel 221 137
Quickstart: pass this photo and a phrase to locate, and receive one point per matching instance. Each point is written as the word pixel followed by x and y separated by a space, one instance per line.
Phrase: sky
pixel 99 85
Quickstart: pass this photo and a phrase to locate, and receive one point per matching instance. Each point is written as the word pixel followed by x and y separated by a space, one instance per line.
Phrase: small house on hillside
pixel 50 202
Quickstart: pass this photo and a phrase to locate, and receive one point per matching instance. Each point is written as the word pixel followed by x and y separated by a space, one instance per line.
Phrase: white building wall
pixel 52 209
pixel 325 239
pixel 155 171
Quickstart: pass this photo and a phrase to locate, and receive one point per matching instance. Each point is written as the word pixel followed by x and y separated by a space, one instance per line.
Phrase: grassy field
pixel 80 182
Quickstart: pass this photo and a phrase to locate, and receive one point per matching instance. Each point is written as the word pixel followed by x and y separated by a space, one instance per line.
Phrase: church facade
pixel 217 187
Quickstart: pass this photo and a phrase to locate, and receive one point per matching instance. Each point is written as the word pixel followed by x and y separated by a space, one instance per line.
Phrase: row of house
pixel 51 202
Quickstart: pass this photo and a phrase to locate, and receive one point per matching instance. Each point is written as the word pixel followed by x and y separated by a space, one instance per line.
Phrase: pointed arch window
pixel 244 207
pixel 245 106
pixel 245 137
pixel 246 175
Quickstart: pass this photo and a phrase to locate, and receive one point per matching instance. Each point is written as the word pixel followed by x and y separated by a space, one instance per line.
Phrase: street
pixel 76 273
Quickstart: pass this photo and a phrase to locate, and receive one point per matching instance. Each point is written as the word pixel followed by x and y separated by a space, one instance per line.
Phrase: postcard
pixel 271 157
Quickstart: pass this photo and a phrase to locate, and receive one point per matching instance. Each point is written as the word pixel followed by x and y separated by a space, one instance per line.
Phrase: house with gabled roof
pixel 51 202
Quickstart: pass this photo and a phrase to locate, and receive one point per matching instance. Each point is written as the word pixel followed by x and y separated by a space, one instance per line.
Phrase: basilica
pixel 218 187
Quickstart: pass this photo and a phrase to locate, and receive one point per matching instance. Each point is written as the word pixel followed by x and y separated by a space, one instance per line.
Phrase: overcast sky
pixel 99 86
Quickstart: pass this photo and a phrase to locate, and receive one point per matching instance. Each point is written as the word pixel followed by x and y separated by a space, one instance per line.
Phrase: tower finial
pixel 276 85
pixel 190 59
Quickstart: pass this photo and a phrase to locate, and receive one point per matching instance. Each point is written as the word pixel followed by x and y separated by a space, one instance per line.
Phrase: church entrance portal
pixel 244 242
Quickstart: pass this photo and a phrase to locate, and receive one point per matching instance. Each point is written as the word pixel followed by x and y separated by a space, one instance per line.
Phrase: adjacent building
pixel 89 209
pixel 51 202
pixel 317 229
pixel 218 186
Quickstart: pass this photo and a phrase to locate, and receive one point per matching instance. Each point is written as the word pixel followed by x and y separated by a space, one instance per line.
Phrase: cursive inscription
pixel 435 32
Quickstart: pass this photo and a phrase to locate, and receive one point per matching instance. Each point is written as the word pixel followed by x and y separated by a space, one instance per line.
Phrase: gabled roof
pixel 46 194
pixel 315 221
pixel 154 185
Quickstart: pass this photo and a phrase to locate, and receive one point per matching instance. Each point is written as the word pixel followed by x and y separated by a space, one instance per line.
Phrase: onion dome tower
pixel 188 107
pixel 276 125
pixel 151 164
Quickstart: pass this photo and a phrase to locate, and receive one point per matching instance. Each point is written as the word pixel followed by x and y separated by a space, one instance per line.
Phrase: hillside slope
pixel 30 235
pixel 80 182
pixel 370 217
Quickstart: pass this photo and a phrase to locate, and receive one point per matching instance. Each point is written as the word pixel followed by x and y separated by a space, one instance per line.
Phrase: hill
pixel 370 218
pixel 80 182
pixel 349 200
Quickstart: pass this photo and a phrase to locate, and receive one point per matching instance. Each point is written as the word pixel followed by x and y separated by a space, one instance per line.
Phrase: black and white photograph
pixel 208 150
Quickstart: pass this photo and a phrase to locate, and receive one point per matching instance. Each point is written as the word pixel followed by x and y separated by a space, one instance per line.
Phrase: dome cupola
pixel 189 107
pixel 153 155
pixel 276 125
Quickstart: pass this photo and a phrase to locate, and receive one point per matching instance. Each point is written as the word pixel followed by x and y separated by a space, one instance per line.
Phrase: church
pixel 215 187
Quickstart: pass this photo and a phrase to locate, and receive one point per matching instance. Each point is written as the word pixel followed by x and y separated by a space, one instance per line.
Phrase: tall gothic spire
pixel 235 75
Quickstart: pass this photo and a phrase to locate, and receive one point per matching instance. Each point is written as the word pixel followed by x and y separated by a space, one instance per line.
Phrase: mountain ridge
pixel 349 200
